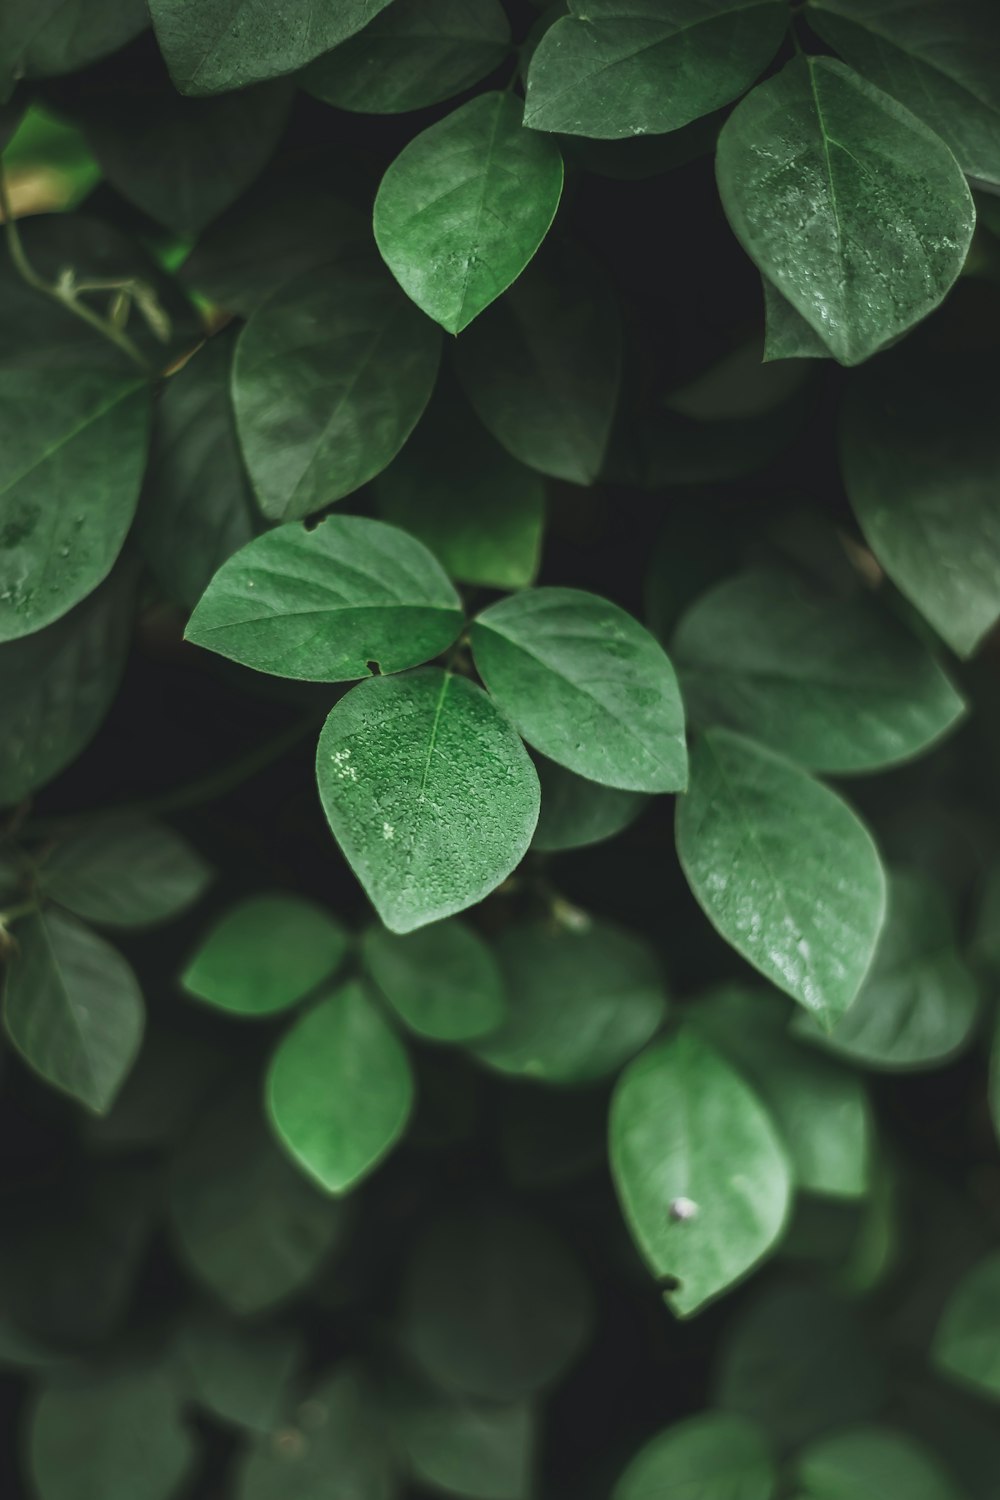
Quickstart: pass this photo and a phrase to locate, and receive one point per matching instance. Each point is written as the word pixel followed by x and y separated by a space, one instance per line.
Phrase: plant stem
pixel 30 276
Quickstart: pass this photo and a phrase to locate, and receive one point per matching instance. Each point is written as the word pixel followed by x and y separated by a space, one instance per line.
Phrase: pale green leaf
pixel 124 871
pixel 967 1339
pixel 871 1463
pixel 442 981
pixel 265 954
pixel 709 1457
pixel 480 1450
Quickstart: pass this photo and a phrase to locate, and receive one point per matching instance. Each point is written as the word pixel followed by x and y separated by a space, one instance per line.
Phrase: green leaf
pixel 342 1453
pixel 125 872
pixel 850 205
pixel 58 684
pixel 325 605
pixel 543 366
pixel 937 58
pixel 442 981
pixel 966 1343
pixel 796 1360
pixel 415 53
pixel 869 1463
pixel 831 683
pixel 464 207
pixel 75 33
pixel 226 44
pixel 197 507
pixel 788 335
pixel 702 1177
pixel 73 1008
pixel 481 1450
pixel 513 1342
pixel 576 812
pixel 919 1003
pixel 708 1457
pixel 114 1433
pixel 150 145
pixel 479 512
pixel 265 954
pixel 821 1111
pixel 580 1002
pixel 330 377
pixel 19 22
pixel 70 470
pixel 249 1226
pixel 615 68
pixel 783 869
pixel 238 1372
pixel 340 1089
pixel 919 460
pixel 587 685
pixel 429 792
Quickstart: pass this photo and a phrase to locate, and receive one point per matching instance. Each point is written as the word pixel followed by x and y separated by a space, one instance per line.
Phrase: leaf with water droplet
pixel 853 208
pixel 783 869
pixel 429 792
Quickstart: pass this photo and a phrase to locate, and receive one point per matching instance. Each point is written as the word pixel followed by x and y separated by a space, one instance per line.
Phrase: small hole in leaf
pixel 374 668
pixel 669 1283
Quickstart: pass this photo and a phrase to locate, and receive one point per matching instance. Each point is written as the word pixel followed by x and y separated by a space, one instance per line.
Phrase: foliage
pixel 499 872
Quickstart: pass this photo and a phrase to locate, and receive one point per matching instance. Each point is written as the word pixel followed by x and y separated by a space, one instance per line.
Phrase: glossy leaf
pixel 587 686
pixel 830 683
pixel 482 1450
pixel 919 463
pixel 576 812
pixel 226 44
pixel 614 68
pixel 866 1463
pixel 938 59
pixel 197 507
pixel 73 1008
pixel 787 334
pixel 702 1177
pixel 57 686
pixel 784 871
pixel 264 955
pixel 709 1457
pixel 580 1003
pixel 414 53
pixel 124 872
pixel 115 1433
pixel 442 981
pixel 339 1089
pixel 324 605
pixel 238 1372
pixel 428 791
pixel 464 207
pixel 856 211
pixel 920 1001
pixel 966 1347
pixel 517 1340
pixel 249 1226
pixel 330 377
pixel 542 367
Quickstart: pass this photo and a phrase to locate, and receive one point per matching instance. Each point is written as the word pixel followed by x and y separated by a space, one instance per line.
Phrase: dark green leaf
pixel 587 686
pixel 576 812
pixel 919 460
pixel 428 791
pixel 330 377
pixel 967 1339
pixel 870 1463
pixel 856 211
pixel 339 1089
pixel 415 53
pixel 709 1457
pixel 482 1450
pixel 464 207
pixel 783 869
pixel 125 872
pixel 788 335
pixel 442 981
pixel 581 1002
pixel 325 605
pixel 616 68
pixel 250 1227
pixel 238 1373
pixel 543 366
pixel 72 34
pixel 226 44
pixel 919 1002
pixel 519 1338
pixel 937 58
pixel 830 683
pixel 57 685
pixel 701 1174
pixel 265 954
pixel 73 1008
